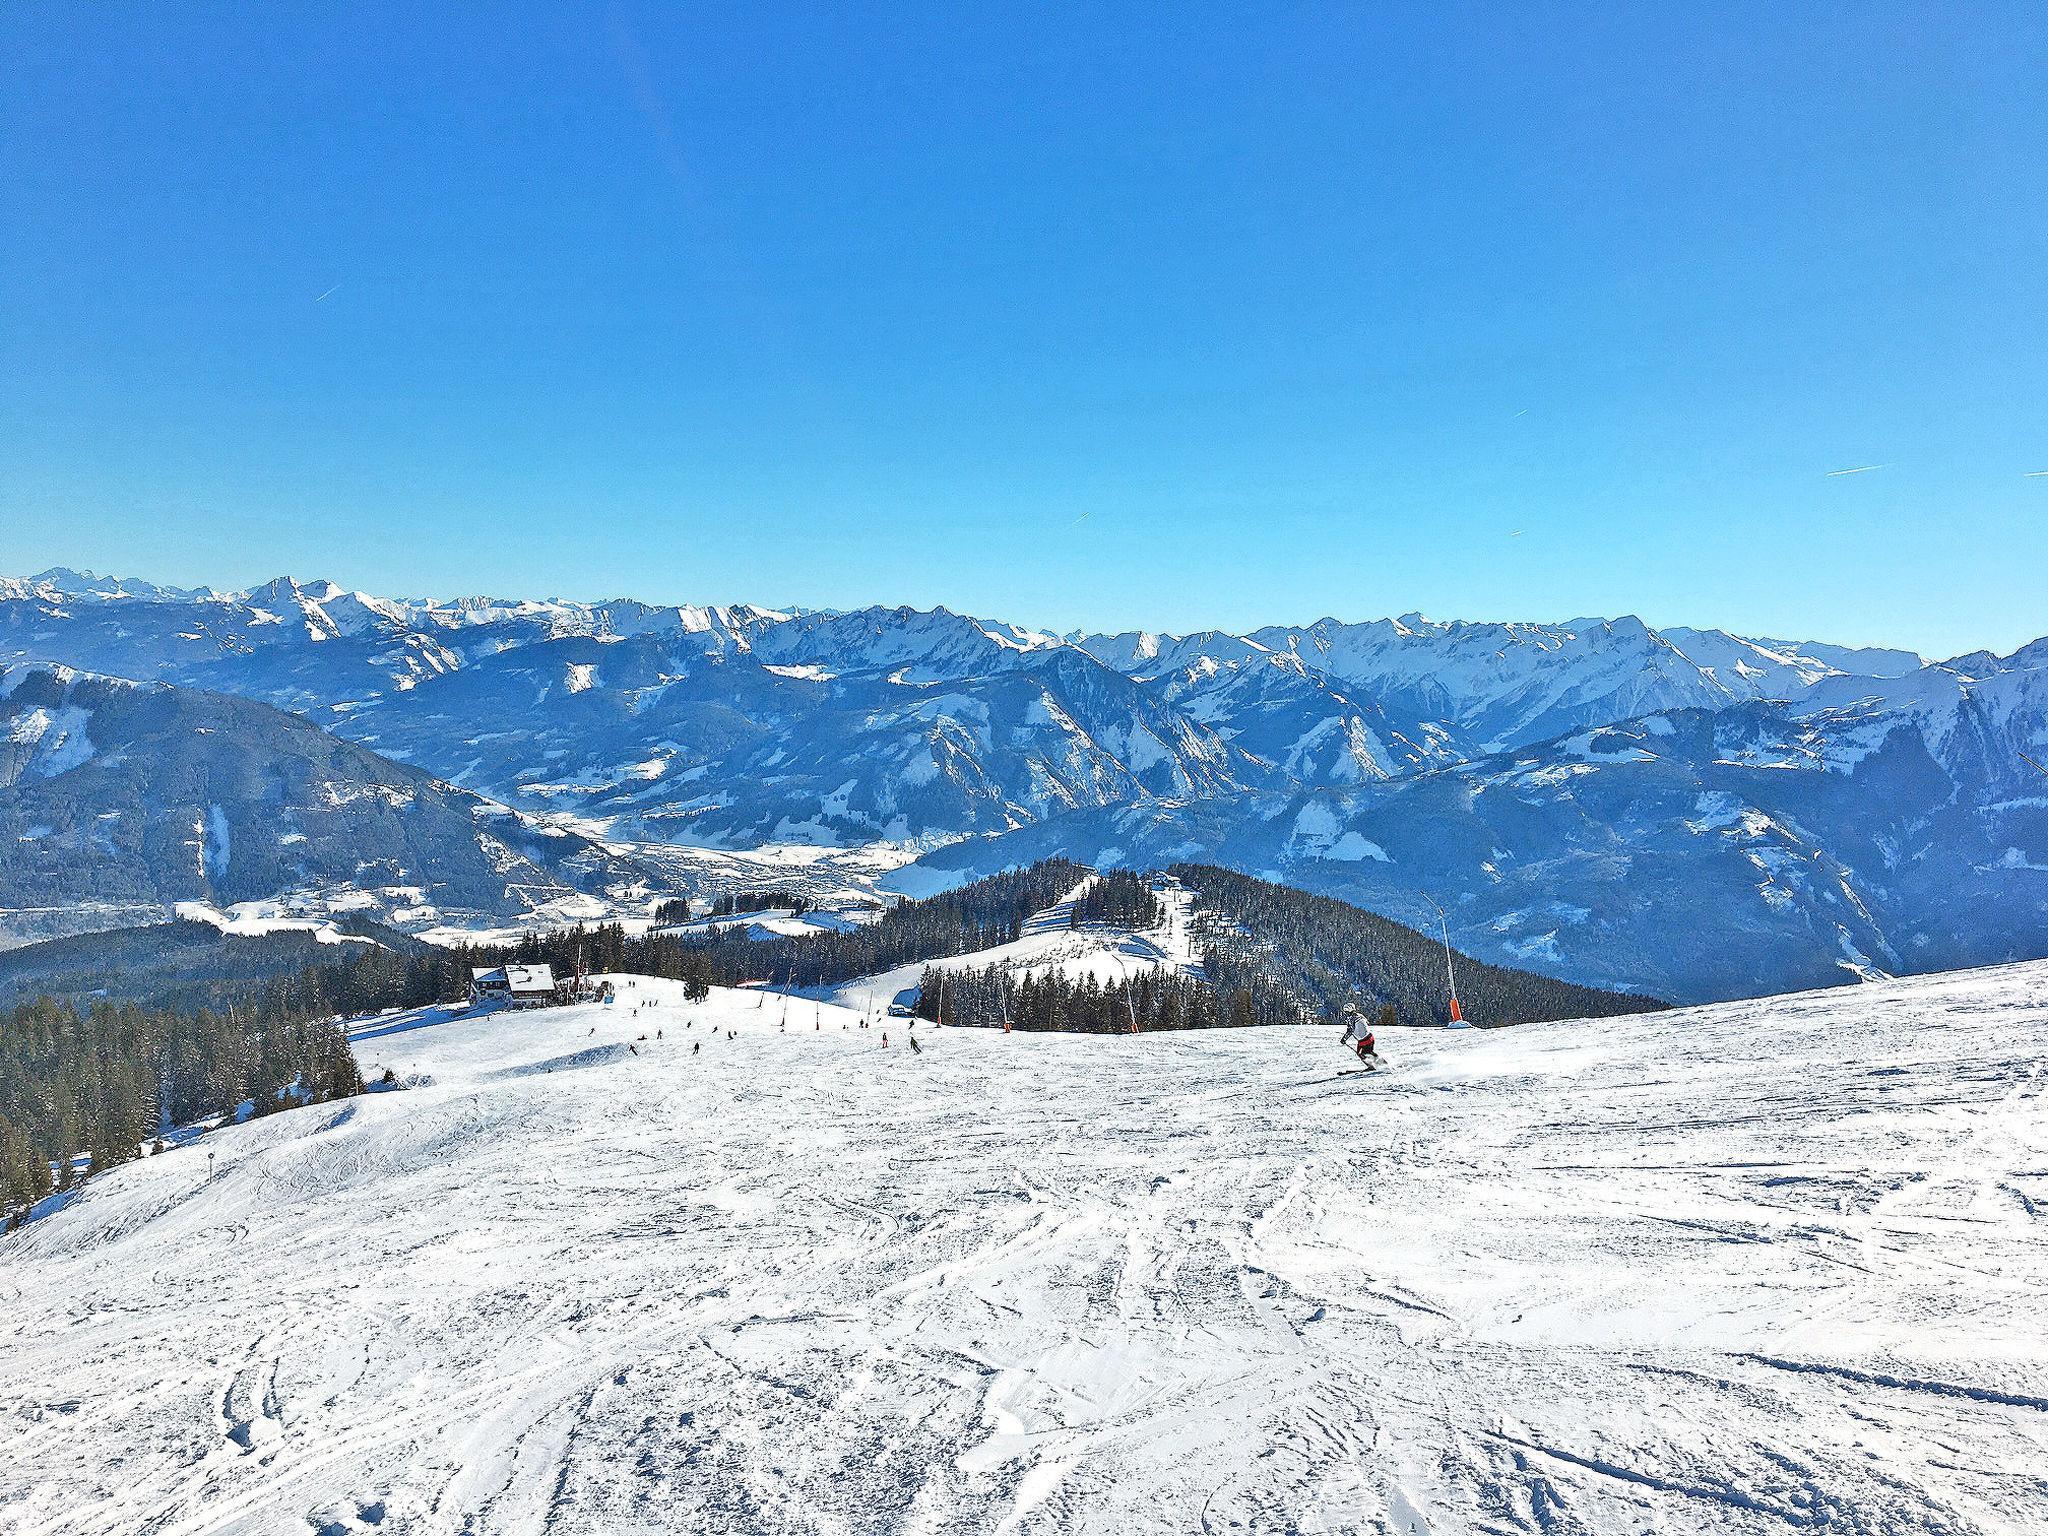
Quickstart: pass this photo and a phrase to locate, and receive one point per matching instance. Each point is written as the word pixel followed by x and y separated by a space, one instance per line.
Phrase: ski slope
pixel 1049 944
pixel 1764 1267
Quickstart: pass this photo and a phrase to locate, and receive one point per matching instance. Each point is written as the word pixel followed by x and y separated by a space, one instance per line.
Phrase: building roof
pixel 515 979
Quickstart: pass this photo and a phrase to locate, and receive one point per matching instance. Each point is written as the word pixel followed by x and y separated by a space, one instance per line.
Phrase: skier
pixel 915 1048
pixel 1358 1035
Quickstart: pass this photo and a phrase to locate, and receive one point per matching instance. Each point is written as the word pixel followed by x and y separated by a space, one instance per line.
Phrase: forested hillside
pixel 1325 953
pixel 180 966
pixel 120 800
pixel 996 998
pixel 1120 896
pixel 1270 955
pixel 101 1083
pixel 988 912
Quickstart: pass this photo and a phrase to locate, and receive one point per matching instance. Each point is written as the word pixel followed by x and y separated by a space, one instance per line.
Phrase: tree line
pixel 996 996
pixel 1121 897
pixel 1325 953
pixel 103 1081
pixel 763 899
pixel 980 915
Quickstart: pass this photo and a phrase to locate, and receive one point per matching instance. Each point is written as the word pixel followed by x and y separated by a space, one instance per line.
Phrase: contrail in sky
pixel 330 293
pixel 1860 469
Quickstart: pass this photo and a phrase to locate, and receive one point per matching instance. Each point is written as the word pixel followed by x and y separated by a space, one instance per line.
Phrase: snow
pixel 1050 945
pixel 922 766
pixel 780 922
pixel 215 852
pixel 1319 835
pixel 250 919
pixel 1759 1267
pixel 49 741
pixel 1352 847
pixel 1145 751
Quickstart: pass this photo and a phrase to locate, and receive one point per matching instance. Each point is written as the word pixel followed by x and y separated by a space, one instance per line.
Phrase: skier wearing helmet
pixel 1358 1035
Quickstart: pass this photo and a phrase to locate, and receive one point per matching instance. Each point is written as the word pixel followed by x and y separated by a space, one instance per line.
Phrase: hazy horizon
pixel 1090 320
pixel 776 605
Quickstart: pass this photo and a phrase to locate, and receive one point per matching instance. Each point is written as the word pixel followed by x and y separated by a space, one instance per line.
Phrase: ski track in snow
pixel 1774 1266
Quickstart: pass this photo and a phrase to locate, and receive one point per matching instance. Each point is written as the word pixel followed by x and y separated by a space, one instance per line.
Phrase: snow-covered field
pixel 1760 1267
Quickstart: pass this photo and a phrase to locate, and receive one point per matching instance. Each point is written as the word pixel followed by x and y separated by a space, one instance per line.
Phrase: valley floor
pixel 1760 1267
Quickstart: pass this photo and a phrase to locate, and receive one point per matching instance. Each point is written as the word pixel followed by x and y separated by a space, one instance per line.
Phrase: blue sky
pixel 1116 317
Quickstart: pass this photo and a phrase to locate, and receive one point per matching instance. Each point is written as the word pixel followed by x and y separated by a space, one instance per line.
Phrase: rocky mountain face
pixel 1687 811
pixel 1721 852
pixel 120 800
pixel 694 737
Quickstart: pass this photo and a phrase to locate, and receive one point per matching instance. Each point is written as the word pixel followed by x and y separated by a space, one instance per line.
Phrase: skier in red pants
pixel 1358 1034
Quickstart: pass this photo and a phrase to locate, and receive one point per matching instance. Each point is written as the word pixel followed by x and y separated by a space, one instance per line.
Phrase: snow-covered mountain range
pixel 1686 811
pixel 121 803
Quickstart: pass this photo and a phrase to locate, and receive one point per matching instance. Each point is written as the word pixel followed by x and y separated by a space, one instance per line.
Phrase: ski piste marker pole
pixel 1444 927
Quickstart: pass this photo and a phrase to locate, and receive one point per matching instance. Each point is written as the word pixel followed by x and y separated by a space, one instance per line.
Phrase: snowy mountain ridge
pixel 1383 650
pixel 1326 703
pixel 125 803
pixel 1584 797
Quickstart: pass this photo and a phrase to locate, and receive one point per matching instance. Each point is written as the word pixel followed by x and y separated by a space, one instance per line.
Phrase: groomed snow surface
pixel 1760 1267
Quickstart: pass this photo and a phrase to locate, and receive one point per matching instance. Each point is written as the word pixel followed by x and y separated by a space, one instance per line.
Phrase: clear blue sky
pixel 1133 316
